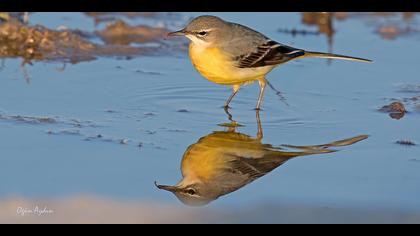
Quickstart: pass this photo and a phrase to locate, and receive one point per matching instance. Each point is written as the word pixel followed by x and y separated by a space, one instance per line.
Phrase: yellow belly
pixel 213 65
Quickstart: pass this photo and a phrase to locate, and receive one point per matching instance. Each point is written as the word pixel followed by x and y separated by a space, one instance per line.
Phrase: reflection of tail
pixel 333 56
pixel 339 143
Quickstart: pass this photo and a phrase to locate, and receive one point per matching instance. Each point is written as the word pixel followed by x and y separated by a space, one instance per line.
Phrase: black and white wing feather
pixel 269 53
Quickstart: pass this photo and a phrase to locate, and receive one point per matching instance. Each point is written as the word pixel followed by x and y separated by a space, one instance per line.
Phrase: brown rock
pixel 396 110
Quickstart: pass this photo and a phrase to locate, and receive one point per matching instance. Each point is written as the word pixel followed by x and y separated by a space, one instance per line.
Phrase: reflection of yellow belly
pixel 213 154
pixel 218 68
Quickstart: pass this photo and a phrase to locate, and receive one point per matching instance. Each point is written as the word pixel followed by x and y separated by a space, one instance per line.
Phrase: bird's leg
pixel 262 84
pixel 228 114
pixel 259 132
pixel 233 124
pixel 235 89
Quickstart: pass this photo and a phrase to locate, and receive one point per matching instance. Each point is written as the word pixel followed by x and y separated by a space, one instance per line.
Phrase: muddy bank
pixel 124 40
pixel 38 43
pixel 122 33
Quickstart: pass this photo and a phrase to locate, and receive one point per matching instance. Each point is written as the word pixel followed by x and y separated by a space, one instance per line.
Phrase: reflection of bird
pixel 224 161
pixel 232 54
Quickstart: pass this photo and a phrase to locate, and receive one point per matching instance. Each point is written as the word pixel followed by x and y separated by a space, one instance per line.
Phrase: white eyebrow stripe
pixel 207 30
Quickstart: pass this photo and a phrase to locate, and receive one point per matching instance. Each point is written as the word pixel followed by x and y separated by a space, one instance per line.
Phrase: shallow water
pixel 118 125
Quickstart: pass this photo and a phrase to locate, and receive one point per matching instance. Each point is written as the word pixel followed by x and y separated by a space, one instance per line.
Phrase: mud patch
pixel 71 127
pixel 28 119
pixel 149 114
pixel 38 43
pixel 122 33
pixel 388 25
pixel 46 120
pixel 183 111
pixel 90 137
pixel 412 101
pixel 405 142
pixel 64 132
pixel 148 72
pixel 396 110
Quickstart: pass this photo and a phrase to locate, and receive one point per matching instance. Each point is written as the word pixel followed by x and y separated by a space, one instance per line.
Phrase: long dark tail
pixel 333 56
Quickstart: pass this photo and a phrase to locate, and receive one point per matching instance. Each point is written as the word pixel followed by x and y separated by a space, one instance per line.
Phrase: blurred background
pixel 95 107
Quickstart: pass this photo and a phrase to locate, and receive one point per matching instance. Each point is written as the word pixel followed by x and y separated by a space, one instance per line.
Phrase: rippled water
pixel 119 125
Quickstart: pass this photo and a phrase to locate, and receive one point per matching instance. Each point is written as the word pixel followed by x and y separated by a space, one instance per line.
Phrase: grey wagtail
pixel 231 54
pixel 225 161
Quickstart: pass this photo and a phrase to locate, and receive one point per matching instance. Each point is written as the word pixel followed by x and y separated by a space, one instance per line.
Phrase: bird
pixel 232 54
pixel 225 161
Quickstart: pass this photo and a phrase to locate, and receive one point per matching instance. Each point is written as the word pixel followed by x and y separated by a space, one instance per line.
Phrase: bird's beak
pixel 172 189
pixel 177 33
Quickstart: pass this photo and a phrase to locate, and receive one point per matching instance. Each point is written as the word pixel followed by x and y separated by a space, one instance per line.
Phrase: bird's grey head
pixel 205 30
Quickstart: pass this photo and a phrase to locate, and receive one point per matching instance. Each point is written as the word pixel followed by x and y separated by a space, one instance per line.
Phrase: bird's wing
pixel 243 167
pixel 240 171
pixel 268 53
pixel 253 168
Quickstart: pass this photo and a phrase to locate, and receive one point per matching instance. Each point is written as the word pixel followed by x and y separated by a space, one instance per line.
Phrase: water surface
pixel 118 124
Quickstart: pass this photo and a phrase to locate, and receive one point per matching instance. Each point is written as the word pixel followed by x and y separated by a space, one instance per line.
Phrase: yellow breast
pixel 217 67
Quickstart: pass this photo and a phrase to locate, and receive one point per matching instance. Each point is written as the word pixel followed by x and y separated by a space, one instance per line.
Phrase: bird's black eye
pixel 191 191
pixel 202 33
